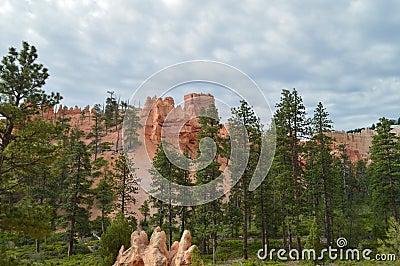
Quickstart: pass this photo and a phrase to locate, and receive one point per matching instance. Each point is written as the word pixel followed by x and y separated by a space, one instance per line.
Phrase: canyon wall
pixel 357 144
pixel 176 125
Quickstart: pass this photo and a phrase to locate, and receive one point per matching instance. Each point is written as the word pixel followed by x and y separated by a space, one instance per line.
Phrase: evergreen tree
pixel 105 192
pixel 322 165
pixel 244 116
pixel 291 127
pixel 164 168
pixel 385 172
pixel 126 183
pixel 21 101
pixel 111 113
pixel 116 235
pixel 29 218
pixel 145 211
pixel 391 244
pixel 313 240
pixel 208 214
pixel 97 129
pixel 131 126
pixel 77 193
pixel 105 196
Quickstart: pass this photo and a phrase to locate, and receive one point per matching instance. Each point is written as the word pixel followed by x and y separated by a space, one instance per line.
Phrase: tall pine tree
pixel 385 173
pixel 77 193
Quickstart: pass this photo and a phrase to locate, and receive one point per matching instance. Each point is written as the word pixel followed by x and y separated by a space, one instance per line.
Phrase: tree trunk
pixel 37 245
pixel 103 224
pixel 123 192
pixel 326 210
pixel 170 224
pixel 71 236
pixel 244 190
pixel 290 237
pixel 214 248
pixel 214 234
pixel 299 248
pixel 284 236
pixel 183 220
pixel 262 217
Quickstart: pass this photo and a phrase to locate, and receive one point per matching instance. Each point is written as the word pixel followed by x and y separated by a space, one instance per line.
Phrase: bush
pixel 116 235
pixel 196 258
pixel 391 245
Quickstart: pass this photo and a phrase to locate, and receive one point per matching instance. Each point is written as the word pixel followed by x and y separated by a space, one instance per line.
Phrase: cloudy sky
pixel 343 53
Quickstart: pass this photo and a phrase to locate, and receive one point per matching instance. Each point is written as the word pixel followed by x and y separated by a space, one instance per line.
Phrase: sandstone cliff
pixel 176 124
pixel 357 144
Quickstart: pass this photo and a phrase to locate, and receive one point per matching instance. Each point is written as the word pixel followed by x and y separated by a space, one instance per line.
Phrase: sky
pixel 343 53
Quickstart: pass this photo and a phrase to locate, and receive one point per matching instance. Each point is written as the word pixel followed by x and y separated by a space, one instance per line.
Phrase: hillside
pixel 153 115
pixel 158 113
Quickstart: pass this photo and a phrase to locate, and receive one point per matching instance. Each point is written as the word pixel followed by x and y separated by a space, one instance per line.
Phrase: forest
pixel 313 195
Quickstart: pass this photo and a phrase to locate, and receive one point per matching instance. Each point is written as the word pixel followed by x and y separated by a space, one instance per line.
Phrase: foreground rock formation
pixel 155 253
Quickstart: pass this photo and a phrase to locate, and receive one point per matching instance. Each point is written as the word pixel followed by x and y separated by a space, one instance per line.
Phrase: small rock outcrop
pixel 143 252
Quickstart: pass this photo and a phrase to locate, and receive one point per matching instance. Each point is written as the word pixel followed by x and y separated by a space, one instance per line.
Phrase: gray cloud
pixel 343 53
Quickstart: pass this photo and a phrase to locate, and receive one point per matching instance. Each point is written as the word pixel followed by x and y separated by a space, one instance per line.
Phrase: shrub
pixel 116 235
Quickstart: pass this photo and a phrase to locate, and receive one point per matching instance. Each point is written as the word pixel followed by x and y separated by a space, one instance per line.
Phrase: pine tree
pixel 244 116
pixel 111 113
pixel 23 134
pixel 385 172
pixel 265 210
pixel 105 196
pixel 313 240
pixel 391 244
pixel 164 169
pixel 145 210
pixel 212 149
pixel 322 166
pixel 97 129
pixel 77 194
pixel 29 218
pixel 126 183
pixel 291 127
pixel 131 126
